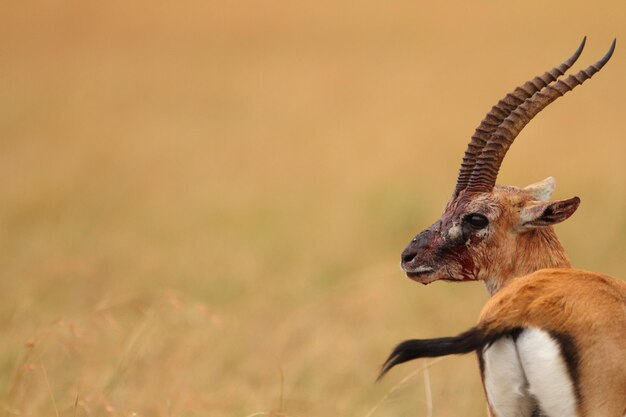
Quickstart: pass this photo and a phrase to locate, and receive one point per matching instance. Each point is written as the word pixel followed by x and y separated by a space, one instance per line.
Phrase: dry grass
pixel 203 205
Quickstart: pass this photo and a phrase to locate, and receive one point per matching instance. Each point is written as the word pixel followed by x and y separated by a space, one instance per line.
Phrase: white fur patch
pixel 546 372
pixel 455 231
pixel 542 190
pixel 505 383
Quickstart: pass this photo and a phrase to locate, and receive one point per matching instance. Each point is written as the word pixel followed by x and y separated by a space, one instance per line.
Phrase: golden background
pixel 203 204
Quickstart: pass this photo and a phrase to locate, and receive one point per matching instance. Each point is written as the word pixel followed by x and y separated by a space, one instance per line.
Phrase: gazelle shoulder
pixel 553 298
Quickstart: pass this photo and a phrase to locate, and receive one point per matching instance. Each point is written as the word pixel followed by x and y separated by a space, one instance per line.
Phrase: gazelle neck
pixel 535 250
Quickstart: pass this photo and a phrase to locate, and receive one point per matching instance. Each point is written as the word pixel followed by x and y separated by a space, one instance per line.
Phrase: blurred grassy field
pixel 203 205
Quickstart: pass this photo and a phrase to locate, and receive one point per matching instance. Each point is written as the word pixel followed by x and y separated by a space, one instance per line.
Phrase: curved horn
pixel 501 111
pixel 488 163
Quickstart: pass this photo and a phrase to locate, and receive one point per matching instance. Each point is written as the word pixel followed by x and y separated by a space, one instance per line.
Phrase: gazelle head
pixel 491 232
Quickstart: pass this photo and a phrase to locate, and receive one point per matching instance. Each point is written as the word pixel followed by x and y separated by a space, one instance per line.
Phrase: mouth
pixel 420 274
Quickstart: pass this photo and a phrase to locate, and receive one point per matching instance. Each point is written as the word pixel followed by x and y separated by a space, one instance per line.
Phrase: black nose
pixel 409 254
pixel 416 247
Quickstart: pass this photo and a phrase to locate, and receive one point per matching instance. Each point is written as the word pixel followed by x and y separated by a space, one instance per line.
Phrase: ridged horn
pixel 485 172
pixel 502 110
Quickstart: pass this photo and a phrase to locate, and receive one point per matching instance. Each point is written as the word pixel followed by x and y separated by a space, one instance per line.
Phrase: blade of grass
pixel 399 384
pixel 427 390
pixel 45 377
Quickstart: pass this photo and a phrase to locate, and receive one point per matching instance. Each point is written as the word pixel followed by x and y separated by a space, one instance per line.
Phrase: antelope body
pixel 551 341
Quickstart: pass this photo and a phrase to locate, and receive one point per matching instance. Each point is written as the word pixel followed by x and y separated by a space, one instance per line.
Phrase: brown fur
pixel 511 252
pixel 590 308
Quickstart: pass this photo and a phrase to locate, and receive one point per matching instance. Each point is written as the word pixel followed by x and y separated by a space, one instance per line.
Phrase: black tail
pixel 466 342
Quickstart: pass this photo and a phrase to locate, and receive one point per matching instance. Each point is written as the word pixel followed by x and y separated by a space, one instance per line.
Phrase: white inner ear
pixel 531 213
pixel 542 190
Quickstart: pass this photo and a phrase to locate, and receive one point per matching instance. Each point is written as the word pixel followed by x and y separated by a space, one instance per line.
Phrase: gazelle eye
pixel 477 221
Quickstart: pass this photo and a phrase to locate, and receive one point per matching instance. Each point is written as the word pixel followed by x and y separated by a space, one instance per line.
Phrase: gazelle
pixel 551 341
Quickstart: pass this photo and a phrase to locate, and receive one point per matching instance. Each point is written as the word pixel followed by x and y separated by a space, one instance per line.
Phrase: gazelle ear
pixel 542 190
pixel 547 214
